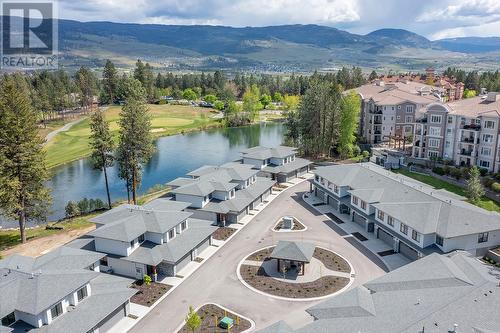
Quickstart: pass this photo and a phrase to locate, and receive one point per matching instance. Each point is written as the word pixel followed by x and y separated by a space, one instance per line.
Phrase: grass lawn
pixel 9 238
pixel 485 202
pixel 166 120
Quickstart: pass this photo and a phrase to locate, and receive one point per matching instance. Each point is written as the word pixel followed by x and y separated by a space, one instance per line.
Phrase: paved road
pixel 216 280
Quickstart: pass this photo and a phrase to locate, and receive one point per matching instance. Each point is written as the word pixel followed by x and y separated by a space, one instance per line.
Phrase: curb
pixel 312 299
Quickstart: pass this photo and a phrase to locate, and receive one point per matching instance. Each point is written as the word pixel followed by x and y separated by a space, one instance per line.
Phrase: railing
pixel 471 127
pixel 466 152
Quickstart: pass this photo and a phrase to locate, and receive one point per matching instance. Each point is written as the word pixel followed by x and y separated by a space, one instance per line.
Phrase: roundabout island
pixel 297 271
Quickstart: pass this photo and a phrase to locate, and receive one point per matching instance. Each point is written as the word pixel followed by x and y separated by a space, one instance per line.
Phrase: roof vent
pixel 455 326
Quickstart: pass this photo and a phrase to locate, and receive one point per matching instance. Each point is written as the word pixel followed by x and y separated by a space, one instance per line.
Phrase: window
pixel 363 204
pixel 450 120
pixel 354 200
pixel 103 261
pixel 132 243
pixel 380 215
pixel 409 119
pixel 171 234
pixel 447 144
pixel 409 109
pixel 415 235
pixel 484 164
pixel 487 138
pixel 485 151
pixel 482 237
pixel 183 225
pixel 141 238
pixel 9 319
pixel 82 293
pixel 434 143
pixel 403 228
pixel 264 162
pixel 439 240
pixel 436 119
pixel 435 131
pixel 56 310
pixel 448 131
pixel 408 129
pixel 432 154
pixel 390 221
pixel 335 188
pixel 489 124
pixel 398 117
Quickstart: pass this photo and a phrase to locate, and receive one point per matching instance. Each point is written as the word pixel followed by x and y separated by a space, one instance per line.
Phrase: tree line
pixel 473 80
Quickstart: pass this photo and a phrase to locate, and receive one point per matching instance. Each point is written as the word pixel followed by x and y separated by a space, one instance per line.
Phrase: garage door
pixel 356 218
pixel 281 178
pixel 182 263
pixel 332 202
pixel 203 246
pixel 112 319
pixel 385 237
pixel 407 251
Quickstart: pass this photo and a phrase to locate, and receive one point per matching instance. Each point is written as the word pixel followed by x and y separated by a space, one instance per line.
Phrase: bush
pixel 455 172
pixel 72 209
pixel 147 279
pixel 84 206
pixel 438 170
pixel 495 187
pixel 446 170
pixel 219 105
pixel 483 172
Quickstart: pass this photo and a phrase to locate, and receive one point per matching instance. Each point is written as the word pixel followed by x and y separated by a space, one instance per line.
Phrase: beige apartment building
pixel 465 131
pixel 390 109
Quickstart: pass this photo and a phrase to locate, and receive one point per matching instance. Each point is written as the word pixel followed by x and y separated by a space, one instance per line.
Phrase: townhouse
pixel 390 109
pixel 411 217
pixel 278 163
pixel 466 132
pixel 222 194
pixel 61 291
pixel 439 293
pixel 157 239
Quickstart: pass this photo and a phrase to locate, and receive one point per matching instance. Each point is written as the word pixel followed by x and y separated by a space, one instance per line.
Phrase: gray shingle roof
pixel 297 251
pixel 166 204
pixel 262 153
pixel 289 167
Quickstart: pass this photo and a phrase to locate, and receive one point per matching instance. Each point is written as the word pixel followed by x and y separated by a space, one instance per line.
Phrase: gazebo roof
pixel 296 251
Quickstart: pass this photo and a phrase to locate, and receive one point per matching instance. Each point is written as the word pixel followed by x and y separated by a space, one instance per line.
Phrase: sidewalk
pixel 372 244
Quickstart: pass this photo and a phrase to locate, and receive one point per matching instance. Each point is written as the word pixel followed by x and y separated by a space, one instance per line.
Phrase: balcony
pixel 471 127
pixel 468 140
pixel 465 152
pixel 377 121
pixel 378 132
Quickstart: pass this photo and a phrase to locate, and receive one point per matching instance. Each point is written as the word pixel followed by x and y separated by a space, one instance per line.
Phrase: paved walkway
pixel 216 280
pixel 65 128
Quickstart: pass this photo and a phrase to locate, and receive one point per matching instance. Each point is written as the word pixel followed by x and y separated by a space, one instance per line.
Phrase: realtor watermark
pixel 29 35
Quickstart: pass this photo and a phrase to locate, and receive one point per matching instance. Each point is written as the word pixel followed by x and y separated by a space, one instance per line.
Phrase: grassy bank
pixel 485 202
pixel 166 120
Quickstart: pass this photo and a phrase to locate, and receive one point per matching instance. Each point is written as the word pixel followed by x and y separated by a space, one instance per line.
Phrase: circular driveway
pixel 216 280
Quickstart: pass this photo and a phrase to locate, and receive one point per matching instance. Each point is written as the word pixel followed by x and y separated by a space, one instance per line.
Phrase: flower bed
pixel 147 295
pixel 209 322
pixel 331 260
pixel 223 233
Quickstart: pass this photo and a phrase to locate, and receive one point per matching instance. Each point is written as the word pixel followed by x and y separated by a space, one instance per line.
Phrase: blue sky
pixel 431 18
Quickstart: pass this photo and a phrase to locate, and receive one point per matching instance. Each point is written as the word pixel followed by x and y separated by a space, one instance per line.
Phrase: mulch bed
pixel 332 261
pixel 257 278
pixel 207 313
pixel 359 236
pixel 147 295
pixel 386 253
pixel 261 255
pixel 296 226
pixel 334 218
pixel 223 233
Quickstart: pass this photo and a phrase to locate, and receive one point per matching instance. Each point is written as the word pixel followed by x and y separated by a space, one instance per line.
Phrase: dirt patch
pixel 147 295
pixel 331 260
pixel 257 278
pixel 223 233
pixel 261 255
pixel 208 313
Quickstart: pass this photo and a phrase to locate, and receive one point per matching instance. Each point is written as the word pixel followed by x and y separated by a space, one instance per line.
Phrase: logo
pixel 29 35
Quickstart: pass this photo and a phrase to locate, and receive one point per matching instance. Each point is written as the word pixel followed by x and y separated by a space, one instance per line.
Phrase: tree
pixel 277 97
pixel 102 146
pixel 219 105
pixel 474 188
pixel 189 94
pixel 291 102
pixel 109 82
pixel 210 99
pixel 84 206
pixel 135 146
pixel 349 120
pixel 469 93
pixel 72 209
pixel 87 85
pixel 251 101
pixel 23 195
pixel 265 100
pixel 193 320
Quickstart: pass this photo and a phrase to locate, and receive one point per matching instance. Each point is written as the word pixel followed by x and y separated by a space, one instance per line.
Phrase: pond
pixel 175 156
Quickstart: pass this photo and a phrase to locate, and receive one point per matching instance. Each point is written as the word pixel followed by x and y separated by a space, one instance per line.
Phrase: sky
pixel 433 19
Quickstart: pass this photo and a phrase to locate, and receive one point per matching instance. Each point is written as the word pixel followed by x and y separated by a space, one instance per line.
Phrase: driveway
pixel 216 280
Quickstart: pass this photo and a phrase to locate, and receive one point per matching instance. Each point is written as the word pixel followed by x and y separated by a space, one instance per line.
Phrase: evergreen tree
pixel 87 86
pixel 135 146
pixel 110 82
pixel 102 145
pixel 373 76
pixel 23 195
pixel 474 189
pixel 349 120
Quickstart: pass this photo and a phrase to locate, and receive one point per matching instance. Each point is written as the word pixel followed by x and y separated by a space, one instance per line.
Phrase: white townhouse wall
pixel 112 246
pixel 127 268
pixel 223 195
pixel 398 227
pixel 155 237
pixel 362 205
pixel 471 242
pixel 196 201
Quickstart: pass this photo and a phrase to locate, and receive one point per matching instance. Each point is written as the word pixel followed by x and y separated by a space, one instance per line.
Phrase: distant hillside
pixel 286 48
pixel 470 44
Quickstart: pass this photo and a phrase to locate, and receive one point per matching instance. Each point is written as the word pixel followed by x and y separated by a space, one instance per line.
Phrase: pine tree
pixel 135 146
pixel 102 145
pixel 474 189
pixel 110 82
pixel 23 195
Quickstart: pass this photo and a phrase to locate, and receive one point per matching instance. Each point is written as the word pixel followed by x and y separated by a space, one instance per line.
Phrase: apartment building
pixel 389 109
pixel 278 163
pixel 414 219
pixel 465 131
pixel 61 291
pixel 157 239
pixel 222 194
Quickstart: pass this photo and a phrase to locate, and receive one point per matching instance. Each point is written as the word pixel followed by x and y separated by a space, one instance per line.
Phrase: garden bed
pixel 223 233
pixel 207 315
pixel 256 277
pixel 261 255
pixel 297 226
pixel 332 261
pixel 148 295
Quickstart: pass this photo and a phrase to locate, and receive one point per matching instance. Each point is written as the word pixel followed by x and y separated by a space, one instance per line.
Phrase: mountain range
pixel 282 48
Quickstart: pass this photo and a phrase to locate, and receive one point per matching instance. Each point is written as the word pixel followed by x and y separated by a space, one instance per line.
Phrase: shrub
pixel 147 279
pixel 446 170
pixel 495 187
pixel 72 209
pixel 219 105
pixel 438 170
pixel 483 172
pixel 84 206
pixel 488 181
pixel 457 173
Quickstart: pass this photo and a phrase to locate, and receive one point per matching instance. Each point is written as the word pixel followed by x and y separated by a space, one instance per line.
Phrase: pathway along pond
pixel 175 156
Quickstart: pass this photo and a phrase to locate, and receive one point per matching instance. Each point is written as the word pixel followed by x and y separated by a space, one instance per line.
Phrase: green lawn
pixel 166 120
pixel 485 202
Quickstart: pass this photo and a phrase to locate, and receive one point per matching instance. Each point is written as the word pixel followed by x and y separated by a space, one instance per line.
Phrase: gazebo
pixel 291 255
